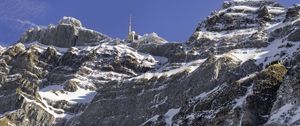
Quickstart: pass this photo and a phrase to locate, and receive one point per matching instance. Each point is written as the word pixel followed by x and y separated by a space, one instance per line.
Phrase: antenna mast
pixel 130 25
pixel 131 34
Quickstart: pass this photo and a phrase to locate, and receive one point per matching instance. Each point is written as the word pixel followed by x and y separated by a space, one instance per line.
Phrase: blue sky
pixel 174 20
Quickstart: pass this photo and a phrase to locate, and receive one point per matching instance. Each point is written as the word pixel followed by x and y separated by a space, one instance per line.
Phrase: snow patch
pixel 287 114
pixel 276 51
pixel 47 108
pixel 169 116
pixel 225 34
pixel 152 119
pixel 241 7
pixel 205 94
pixel 55 93
pixel 145 60
pixel 243 54
pixel 247 77
pixel 241 101
pixel 191 66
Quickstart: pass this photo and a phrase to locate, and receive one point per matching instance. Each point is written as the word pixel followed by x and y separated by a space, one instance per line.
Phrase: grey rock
pixel 69 32
pixel 294 36
pixel 70 21
pixel 71 86
pixel 134 103
pixel 292 13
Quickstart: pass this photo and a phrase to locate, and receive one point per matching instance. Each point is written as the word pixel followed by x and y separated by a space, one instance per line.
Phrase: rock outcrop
pixel 69 32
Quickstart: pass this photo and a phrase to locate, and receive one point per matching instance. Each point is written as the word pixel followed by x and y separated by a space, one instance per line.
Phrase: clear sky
pixel 174 20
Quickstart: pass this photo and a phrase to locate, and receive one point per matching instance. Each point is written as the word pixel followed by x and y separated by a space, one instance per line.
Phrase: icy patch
pixel 169 116
pixel 152 119
pixel 287 114
pixel 241 101
pixel 276 10
pixel 247 77
pixel 275 26
pixel 243 54
pixel 205 94
pixel 276 51
pixel 55 93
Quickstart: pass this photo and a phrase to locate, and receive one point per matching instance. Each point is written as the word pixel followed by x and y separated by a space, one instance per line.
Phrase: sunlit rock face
pixel 238 24
pixel 69 32
pixel 239 67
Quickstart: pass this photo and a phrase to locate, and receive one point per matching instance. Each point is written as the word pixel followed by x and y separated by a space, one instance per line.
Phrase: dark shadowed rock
pixel 294 36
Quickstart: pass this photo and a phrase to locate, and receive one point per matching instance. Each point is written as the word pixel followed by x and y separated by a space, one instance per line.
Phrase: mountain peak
pixel 151 38
pixel 70 21
pixel 69 32
pixel 250 0
pixel 251 3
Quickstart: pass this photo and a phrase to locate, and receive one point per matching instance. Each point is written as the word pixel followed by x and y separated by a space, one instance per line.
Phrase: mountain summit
pixel 240 67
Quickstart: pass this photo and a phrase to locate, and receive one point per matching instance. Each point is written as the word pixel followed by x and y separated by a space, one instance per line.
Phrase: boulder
pixel 71 86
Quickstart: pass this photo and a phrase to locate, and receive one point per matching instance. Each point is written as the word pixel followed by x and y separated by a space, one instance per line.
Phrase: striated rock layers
pixel 69 32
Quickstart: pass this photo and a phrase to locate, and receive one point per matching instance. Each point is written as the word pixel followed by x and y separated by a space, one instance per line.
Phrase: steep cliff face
pixel 238 24
pixel 69 32
pixel 240 67
pixel 47 85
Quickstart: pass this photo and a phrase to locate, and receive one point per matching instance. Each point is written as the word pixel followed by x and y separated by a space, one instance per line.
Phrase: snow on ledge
pixel 191 66
pixel 286 115
pixel 169 116
pixel 70 21
pixel 276 51
pixel 54 92
pixel 152 119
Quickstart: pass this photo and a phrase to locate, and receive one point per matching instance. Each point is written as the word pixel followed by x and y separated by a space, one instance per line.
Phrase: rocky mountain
pixel 239 67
